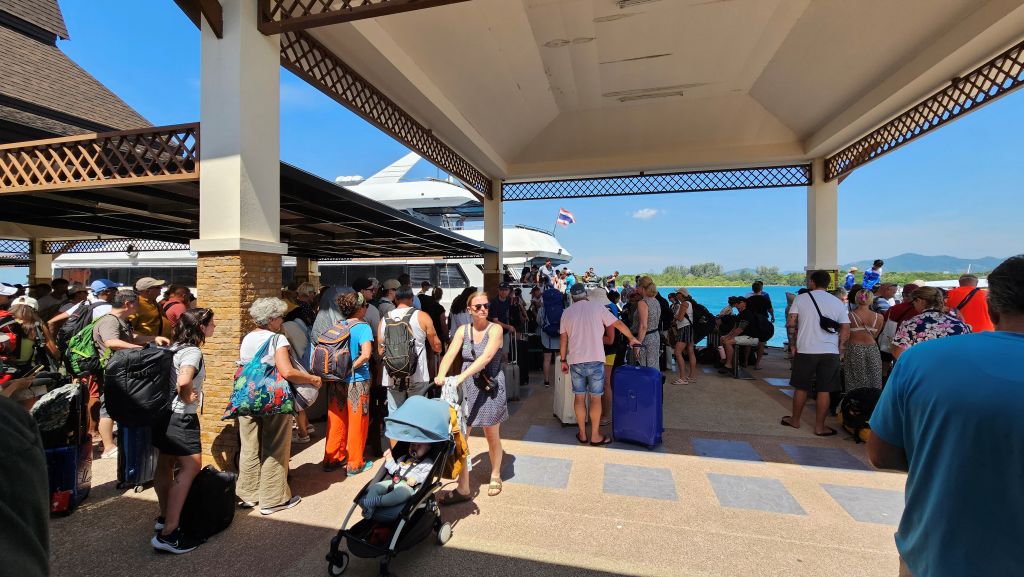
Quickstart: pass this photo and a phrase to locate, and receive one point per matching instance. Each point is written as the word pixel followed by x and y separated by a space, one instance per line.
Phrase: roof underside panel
pixel 319 219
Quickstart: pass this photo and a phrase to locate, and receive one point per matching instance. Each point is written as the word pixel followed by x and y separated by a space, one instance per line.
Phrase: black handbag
pixel 828 325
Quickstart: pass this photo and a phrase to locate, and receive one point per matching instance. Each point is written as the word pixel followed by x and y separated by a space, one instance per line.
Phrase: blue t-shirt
pixel 871 278
pixel 569 281
pixel 851 279
pixel 359 334
pixel 955 406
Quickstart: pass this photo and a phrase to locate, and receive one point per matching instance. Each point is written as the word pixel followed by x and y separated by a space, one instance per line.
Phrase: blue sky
pixel 954 192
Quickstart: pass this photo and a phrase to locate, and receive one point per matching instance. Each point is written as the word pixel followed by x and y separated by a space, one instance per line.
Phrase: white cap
pixel 26 300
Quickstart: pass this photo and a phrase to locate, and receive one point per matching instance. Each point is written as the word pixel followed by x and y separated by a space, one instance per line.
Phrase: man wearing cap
pixel 49 304
pixel 581 345
pixel 104 291
pixel 149 319
pixel 851 279
pixel 505 315
pixel 77 293
pixel 387 296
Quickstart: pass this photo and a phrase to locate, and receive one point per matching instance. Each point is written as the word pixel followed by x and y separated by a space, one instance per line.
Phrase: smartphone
pixel 36 371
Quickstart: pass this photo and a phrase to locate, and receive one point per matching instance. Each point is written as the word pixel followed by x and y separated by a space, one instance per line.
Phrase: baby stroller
pixel 397 528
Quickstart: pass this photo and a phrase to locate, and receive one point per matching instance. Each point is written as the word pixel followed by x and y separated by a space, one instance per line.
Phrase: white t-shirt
pixel 810 338
pixel 253 341
pixel 191 357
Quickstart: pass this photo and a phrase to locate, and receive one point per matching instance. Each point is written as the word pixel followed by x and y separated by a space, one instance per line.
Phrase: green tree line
pixel 712 274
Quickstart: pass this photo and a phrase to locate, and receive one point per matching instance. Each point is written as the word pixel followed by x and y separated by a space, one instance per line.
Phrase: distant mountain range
pixel 912 262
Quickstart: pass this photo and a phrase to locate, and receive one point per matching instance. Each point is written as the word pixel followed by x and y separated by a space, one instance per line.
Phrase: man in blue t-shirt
pixel 874 276
pixel 851 279
pixel 950 415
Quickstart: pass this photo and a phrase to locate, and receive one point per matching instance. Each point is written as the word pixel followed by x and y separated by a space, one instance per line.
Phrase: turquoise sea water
pixel 716 298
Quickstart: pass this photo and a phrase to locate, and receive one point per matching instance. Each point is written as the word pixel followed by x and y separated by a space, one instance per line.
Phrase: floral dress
pixel 929 325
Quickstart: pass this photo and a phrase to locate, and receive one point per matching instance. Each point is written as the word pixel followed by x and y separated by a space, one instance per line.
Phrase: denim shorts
pixel 587 378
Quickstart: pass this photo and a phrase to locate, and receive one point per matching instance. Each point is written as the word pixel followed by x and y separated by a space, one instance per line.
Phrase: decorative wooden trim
pixel 997 77
pixel 210 9
pixel 629 185
pixel 66 246
pixel 121 158
pixel 308 59
pixel 277 16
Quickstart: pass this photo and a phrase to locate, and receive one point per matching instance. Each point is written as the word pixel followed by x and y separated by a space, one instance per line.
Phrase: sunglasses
pixel 482 307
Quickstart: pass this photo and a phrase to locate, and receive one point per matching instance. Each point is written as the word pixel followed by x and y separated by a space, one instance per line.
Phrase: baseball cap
pixel 578 289
pixel 26 300
pixel 391 284
pixel 102 284
pixel 77 288
pixel 504 286
pixel 8 290
pixel 147 282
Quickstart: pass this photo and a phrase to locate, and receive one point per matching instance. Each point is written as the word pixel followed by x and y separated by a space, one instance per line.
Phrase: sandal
pixel 786 423
pixel 680 382
pixel 454 496
pixel 604 441
pixel 581 440
pixel 494 489
pixel 829 431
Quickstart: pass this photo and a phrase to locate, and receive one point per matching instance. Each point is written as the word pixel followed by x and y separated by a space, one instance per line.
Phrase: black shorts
pixel 886 357
pixel 818 372
pixel 177 434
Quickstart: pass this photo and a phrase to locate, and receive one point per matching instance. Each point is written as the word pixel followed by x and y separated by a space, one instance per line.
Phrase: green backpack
pixel 81 357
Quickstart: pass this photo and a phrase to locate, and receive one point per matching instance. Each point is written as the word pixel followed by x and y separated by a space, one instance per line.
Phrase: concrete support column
pixel 494 223
pixel 40 266
pixel 239 202
pixel 306 270
pixel 822 221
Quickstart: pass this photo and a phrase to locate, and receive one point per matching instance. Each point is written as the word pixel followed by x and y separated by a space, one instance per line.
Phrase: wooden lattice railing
pixel 991 80
pixel 278 16
pixel 123 158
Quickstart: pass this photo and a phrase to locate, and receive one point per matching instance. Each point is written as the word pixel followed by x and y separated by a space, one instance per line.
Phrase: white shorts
pixel 745 341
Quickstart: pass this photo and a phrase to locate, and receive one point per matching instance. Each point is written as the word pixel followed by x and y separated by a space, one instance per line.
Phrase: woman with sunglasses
pixel 483 388
pixel 176 432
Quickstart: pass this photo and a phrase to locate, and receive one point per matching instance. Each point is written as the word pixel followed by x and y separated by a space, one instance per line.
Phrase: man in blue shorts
pixel 950 415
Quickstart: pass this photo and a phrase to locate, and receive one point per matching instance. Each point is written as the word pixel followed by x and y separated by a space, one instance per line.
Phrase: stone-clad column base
pixel 228 283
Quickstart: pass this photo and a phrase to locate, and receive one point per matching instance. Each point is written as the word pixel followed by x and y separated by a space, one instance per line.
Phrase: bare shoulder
pixel 494 331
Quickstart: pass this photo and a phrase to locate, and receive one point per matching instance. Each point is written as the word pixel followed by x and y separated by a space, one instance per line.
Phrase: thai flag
pixel 565 218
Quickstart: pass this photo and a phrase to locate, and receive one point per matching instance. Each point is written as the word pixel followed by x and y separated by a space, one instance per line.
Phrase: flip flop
pixel 786 423
pixel 580 440
pixel 494 488
pixel 830 432
pixel 680 382
pixel 454 496
pixel 604 441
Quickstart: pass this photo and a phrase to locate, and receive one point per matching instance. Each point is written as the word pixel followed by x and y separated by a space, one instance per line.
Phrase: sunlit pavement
pixel 730 492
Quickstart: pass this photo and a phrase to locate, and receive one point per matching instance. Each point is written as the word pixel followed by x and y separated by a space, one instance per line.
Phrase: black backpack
pixel 400 356
pixel 137 385
pixel 75 323
pixel 856 409
pixel 702 320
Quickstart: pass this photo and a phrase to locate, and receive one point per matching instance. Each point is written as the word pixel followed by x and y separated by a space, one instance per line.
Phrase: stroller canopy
pixel 419 420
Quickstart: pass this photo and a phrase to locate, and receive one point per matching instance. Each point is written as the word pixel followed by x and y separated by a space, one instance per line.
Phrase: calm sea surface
pixel 716 298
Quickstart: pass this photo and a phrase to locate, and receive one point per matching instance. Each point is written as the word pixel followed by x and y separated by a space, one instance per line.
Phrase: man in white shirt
pixel 423 333
pixel 817 350
pixel 546 271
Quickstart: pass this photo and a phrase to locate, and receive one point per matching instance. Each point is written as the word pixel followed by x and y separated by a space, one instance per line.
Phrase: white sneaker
pixel 111 454
pixel 291 503
pixel 300 440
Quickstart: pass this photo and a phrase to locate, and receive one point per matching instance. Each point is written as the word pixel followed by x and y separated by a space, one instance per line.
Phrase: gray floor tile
pixel 633 481
pixel 724 449
pixel 777 382
pixel 757 493
pixel 538 471
pixel 824 457
pixel 869 505
pixel 553 434
pixel 787 392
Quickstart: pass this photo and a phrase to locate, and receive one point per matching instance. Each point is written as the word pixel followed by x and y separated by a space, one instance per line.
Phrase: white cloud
pixel 645 213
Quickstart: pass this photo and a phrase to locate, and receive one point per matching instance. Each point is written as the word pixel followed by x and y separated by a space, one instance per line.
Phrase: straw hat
pixel 681 291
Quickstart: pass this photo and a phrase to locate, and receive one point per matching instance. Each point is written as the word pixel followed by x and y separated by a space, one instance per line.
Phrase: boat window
pixel 451 276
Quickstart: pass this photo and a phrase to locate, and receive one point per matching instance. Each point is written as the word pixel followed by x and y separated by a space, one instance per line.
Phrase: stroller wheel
pixel 444 533
pixel 338 565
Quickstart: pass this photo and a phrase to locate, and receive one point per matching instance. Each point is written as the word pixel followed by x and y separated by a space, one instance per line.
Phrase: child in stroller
pixel 398 514
pixel 405 475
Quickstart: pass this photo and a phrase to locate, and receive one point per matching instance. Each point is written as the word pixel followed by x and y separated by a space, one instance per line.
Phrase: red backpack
pixel 9 328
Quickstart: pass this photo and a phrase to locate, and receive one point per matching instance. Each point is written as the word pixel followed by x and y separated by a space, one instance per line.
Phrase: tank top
pixel 422 374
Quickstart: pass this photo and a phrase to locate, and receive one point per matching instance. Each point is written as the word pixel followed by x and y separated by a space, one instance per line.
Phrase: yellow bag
pixel 453 466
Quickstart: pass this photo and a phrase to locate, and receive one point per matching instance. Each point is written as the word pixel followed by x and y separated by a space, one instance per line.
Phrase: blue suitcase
pixel 637 405
pixel 136 457
pixel 69 469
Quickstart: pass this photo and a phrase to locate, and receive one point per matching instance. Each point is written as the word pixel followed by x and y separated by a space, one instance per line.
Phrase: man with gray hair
pixel 582 331
pixel 950 416
pixel 970 304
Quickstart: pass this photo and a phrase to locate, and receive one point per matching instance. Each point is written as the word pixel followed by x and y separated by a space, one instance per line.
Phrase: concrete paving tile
pixel 759 493
pixel 634 481
pixel 775 382
pixel 869 505
pixel 824 457
pixel 537 471
pixel 724 449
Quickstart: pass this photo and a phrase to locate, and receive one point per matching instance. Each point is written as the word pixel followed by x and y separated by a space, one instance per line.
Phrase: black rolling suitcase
pixel 523 357
pixel 210 505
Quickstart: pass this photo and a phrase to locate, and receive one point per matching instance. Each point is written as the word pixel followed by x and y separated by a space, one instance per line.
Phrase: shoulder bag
pixel 828 325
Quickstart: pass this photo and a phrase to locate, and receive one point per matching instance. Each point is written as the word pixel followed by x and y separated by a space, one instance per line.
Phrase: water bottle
pixel 721 352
